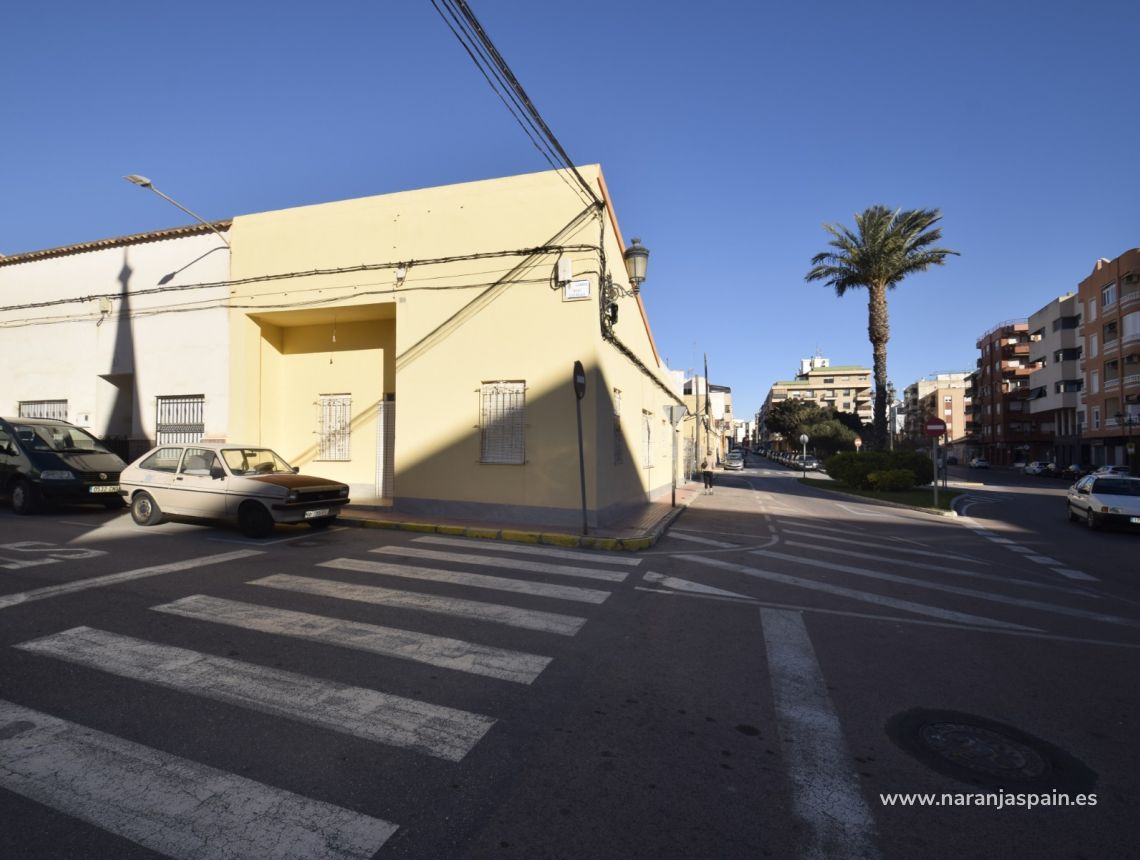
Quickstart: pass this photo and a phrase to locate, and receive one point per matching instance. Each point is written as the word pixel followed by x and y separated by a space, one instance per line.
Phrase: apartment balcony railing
pixel 1130 298
pixel 1132 379
pixel 1110 343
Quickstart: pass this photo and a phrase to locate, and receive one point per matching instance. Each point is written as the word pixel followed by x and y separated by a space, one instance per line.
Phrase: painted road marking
pixel 879 546
pixel 954 589
pixel 826 795
pixel 169 804
pixel 471 580
pixel 673 533
pixel 1074 574
pixel 373 716
pixel 690 587
pixel 116 578
pixel 853 594
pixel 512 616
pixel 921 565
pixel 505 563
pixel 544 551
pixel 439 651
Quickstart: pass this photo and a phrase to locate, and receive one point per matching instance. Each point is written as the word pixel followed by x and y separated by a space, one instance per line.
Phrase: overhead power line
pixel 459 18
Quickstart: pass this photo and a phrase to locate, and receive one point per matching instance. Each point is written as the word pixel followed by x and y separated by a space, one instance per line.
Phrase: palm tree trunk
pixel 879 332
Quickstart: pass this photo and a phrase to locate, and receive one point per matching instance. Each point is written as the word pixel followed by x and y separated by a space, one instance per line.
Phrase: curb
pixel 630 544
pixel 952 514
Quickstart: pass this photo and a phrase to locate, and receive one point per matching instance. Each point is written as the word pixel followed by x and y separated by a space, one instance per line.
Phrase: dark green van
pixel 45 460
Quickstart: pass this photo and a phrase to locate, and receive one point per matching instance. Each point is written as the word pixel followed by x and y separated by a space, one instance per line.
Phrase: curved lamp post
pixel 143 182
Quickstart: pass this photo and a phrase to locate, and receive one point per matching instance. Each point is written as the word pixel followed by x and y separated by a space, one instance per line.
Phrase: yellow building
pixel 420 345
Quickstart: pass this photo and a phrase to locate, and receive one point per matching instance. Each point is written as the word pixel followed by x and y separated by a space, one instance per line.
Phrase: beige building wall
pixel 433 293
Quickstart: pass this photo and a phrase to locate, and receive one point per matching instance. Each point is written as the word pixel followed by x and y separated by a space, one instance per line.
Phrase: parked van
pixel 45 460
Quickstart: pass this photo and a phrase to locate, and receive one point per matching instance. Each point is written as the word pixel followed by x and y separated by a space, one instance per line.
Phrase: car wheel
pixel 1091 521
pixel 254 520
pixel 25 499
pixel 321 522
pixel 145 510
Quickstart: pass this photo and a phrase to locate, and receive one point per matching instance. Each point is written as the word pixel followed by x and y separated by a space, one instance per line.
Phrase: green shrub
pixel 891 480
pixel 854 469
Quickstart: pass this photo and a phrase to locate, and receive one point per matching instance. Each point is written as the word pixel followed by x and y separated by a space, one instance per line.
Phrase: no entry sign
pixel 935 426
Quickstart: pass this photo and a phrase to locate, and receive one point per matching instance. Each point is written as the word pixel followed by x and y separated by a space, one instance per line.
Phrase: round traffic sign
pixel 935 426
pixel 579 380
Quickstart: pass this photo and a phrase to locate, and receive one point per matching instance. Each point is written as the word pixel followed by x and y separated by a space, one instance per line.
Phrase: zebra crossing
pixel 183 808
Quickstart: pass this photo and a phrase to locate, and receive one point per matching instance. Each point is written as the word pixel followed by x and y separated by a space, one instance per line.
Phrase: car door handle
pixel 179 478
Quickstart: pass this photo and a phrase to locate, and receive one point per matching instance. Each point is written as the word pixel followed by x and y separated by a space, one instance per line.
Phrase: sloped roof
pixel 117 242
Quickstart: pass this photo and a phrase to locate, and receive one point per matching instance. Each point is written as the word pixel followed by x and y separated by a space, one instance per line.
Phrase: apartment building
pixel 1109 303
pixel 1004 429
pixel 1055 381
pixel 942 395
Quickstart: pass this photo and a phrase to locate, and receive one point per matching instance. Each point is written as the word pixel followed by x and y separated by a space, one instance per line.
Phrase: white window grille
pixel 334 429
pixel 54 409
pixel 180 418
pixel 502 423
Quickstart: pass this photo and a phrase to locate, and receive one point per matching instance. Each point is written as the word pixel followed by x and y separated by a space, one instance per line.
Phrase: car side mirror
pixel 217 472
pixel 296 469
pixel 1084 491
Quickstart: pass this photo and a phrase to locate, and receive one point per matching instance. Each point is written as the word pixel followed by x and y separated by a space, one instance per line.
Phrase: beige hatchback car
pixel 246 483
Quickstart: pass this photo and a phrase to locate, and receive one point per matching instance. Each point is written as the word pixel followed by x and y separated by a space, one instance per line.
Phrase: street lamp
pixel 636 262
pixel 803 462
pixel 143 182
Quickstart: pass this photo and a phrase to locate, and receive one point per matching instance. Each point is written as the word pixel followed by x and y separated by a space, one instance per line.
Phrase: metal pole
pixel 934 461
pixel 676 432
pixel 582 466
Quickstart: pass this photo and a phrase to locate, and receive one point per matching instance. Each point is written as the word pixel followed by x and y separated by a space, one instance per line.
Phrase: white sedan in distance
pixel 1102 500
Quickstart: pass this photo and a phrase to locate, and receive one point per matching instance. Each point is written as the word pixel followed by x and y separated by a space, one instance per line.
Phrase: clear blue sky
pixel 728 131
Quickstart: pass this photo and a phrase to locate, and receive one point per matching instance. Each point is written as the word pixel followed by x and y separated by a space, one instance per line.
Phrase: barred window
pixel 335 427
pixel 502 417
pixel 180 419
pixel 54 409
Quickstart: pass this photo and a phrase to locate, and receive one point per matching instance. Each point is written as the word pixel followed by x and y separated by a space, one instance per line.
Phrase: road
pixel 753 686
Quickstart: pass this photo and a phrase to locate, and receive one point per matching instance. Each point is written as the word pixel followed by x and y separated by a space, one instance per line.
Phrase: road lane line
pixel 879 546
pixel 921 565
pixel 826 796
pixel 471 580
pixel 545 551
pixel 505 563
pixel 689 587
pixel 439 651
pixel 953 589
pixel 50 591
pixel 512 616
pixel 1074 574
pixel 853 594
pixel 673 533
pixel 169 804
pixel 434 730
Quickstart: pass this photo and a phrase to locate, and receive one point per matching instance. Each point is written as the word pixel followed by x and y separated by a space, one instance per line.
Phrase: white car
pixel 734 460
pixel 1104 500
pixel 1037 467
pixel 247 483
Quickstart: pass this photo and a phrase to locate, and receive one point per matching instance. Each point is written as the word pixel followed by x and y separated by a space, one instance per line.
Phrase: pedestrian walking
pixel 707 473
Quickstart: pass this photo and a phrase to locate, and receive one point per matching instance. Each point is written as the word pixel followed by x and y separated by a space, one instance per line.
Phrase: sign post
pixel 579 393
pixel 934 427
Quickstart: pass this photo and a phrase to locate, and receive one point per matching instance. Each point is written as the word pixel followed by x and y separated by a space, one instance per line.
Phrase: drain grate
pixel 986 753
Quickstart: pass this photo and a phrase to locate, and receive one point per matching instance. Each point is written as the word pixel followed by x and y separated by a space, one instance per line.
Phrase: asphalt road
pixel 753 686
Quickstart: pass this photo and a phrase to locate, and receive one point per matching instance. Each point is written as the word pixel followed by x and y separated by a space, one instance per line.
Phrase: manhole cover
pixel 986 753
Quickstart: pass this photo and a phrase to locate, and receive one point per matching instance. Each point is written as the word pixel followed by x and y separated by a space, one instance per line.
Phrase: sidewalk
pixel 640 529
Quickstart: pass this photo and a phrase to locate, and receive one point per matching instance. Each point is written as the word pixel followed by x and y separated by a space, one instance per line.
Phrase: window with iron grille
pixel 335 428
pixel 180 418
pixel 54 409
pixel 502 423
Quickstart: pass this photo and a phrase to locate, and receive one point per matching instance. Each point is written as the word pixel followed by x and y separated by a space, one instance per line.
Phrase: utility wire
pixel 491 63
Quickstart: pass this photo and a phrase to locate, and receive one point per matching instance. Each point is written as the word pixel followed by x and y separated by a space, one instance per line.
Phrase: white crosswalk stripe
pixel 169 804
pixel 439 651
pixel 436 731
pixel 524 549
pixel 473 580
pixel 529 619
pixel 503 563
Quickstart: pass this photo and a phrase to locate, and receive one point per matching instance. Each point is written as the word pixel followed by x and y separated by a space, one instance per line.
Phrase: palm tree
pixel 884 248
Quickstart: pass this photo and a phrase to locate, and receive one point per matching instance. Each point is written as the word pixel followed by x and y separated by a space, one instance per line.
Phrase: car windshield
pixel 255 461
pixel 1116 487
pixel 57 437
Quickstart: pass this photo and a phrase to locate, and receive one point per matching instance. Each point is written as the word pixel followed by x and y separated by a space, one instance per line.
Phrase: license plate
pixel 110 488
pixel 323 512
